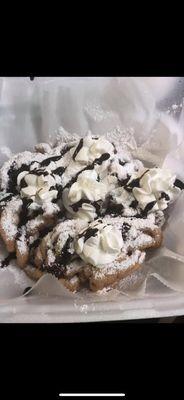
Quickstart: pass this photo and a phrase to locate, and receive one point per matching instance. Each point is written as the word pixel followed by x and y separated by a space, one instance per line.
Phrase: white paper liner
pixel 125 106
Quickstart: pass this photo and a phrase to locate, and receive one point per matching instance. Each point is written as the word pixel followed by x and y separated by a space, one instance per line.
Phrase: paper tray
pixel 50 310
pixel 31 112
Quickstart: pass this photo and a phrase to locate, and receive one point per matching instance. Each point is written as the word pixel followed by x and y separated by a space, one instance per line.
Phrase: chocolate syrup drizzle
pixel 122 182
pixel 7 197
pixel 124 231
pixel 59 171
pixel 23 217
pixel 58 268
pixel 55 269
pixel 78 148
pixel 115 151
pixel 148 207
pixel 122 163
pixel 96 204
pixel 88 233
pixel 134 204
pixel 5 200
pixel 38 172
pixel 113 208
pixel 4 263
pixel 14 172
pixel 23 183
pixel 42 233
pixel 97 161
pixel 164 196
pixel 47 161
pixel 134 182
pixel 179 184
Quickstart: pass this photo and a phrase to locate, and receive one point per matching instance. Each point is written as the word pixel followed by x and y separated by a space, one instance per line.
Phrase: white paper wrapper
pixel 148 113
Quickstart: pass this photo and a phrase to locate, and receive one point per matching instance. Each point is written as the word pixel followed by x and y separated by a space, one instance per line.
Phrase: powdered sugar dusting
pixel 64 137
pixel 22 242
pixel 35 223
pixel 123 139
pixel 57 164
pixel 9 219
pixel 136 257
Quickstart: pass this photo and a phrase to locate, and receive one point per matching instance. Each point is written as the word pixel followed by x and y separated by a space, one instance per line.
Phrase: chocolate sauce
pixel 96 204
pixel 59 266
pixel 33 162
pixel 125 228
pixel 5 200
pixel 75 207
pixel 23 217
pixel 88 233
pixel 134 204
pixel 101 159
pixel 123 182
pixel 65 256
pixel 59 171
pixel 140 215
pixel 39 172
pixel 135 182
pixel 42 233
pixel 122 163
pixel 35 243
pixel 164 196
pixel 59 189
pixel 65 150
pixel 97 161
pixel 54 269
pixel 114 208
pixel 4 263
pixel 179 184
pixel 47 161
pixel 148 207
pixel 23 183
pixel 78 148
pixel 13 174
pixel 35 213
pixel 115 151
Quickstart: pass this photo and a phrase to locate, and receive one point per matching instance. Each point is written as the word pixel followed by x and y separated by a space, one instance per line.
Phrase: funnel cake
pixel 83 210
pixel 60 251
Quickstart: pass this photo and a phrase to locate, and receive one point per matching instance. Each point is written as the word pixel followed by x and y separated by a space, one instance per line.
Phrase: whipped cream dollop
pixel 156 185
pixel 100 244
pixel 87 187
pixel 90 148
pixel 38 187
pixel 83 152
